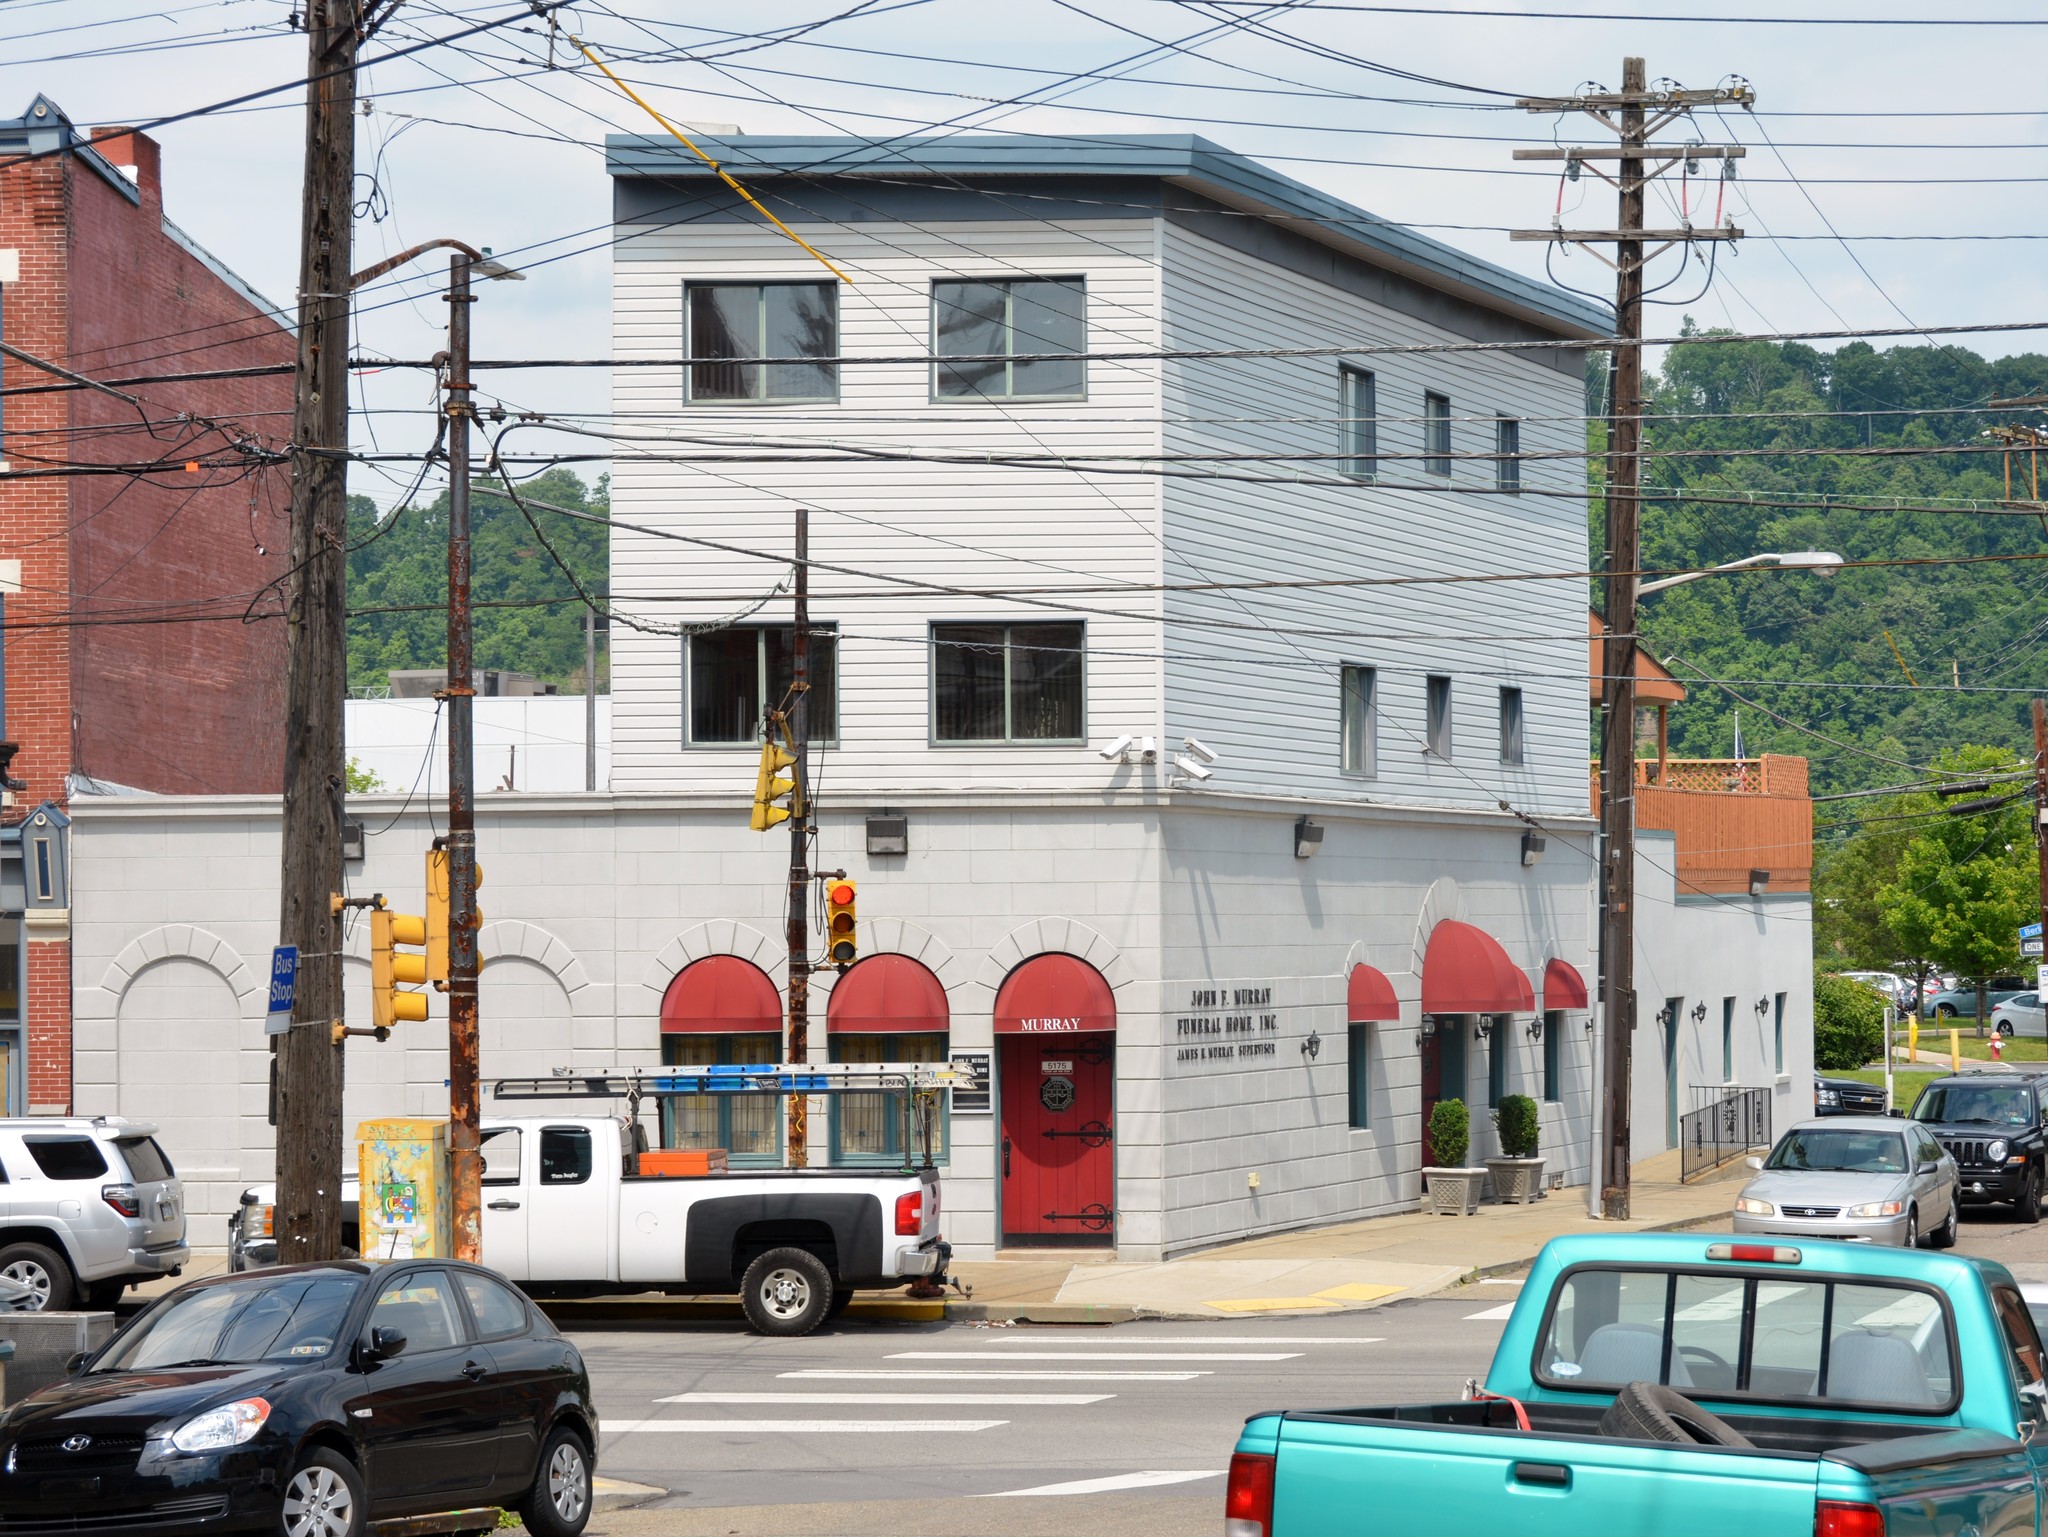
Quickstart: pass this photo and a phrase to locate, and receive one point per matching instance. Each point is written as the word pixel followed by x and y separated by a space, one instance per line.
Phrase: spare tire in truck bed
pixel 1647 1411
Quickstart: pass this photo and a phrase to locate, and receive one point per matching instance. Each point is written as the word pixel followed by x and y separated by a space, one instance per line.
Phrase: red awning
pixel 888 993
pixel 723 994
pixel 1563 987
pixel 1465 971
pixel 1370 997
pixel 1054 995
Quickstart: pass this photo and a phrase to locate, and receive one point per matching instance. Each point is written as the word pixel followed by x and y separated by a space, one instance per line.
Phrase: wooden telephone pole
pixel 1634 114
pixel 309 1058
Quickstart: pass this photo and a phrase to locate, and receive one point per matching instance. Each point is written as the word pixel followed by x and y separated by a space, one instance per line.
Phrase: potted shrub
pixel 1453 1188
pixel 1518 1171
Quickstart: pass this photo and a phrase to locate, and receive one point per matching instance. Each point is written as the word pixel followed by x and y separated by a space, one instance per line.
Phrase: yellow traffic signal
pixel 842 943
pixel 394 971
pixel 769 788
pixel 437 917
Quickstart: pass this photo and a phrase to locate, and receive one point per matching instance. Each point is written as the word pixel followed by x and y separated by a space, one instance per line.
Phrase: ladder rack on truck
pixel 917 1084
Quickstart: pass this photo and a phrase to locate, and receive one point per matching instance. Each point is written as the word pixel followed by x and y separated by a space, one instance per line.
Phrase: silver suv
pixel 87 1208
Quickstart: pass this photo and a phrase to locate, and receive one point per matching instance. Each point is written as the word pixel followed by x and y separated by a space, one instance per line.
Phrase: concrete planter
pixel 1454 1192
pixel 1516 1181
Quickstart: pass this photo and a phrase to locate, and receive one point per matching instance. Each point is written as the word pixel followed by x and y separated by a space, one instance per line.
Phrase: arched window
pixel 723 1011
pixel 887 1008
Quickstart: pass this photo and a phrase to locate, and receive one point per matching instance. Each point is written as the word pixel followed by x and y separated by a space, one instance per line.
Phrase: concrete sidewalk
pixel 1317 1270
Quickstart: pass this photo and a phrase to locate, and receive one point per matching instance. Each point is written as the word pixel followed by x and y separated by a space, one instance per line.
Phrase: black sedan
pixel 311 1401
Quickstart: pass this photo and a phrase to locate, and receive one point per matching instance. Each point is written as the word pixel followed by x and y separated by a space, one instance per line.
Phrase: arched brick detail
pixel 172 941
pixel 721 936
pixel 1045 936
pixel 515 939
pixel 897 936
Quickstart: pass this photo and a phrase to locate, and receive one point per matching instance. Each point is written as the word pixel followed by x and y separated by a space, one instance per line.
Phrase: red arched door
pixel 1055 1024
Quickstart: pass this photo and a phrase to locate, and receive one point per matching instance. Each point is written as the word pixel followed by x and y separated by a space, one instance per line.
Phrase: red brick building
pixel 138 525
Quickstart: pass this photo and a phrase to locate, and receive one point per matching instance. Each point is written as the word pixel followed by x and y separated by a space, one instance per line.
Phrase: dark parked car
pixel 1993 1126
pixel 1847 1096
pixel 311 1401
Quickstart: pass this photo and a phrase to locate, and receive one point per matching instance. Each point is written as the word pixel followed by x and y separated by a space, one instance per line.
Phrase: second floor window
pixel 1357 399
pixel 1511 725
pixel 1438 740
pixel 1007 683
pixel 1436 434
pixel 734 675
pixel 1000 323
pixel 738 321
pixel 1507 444
pixel 1358 721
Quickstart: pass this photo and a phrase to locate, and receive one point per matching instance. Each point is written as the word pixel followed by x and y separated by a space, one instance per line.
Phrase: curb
pixel 609 1494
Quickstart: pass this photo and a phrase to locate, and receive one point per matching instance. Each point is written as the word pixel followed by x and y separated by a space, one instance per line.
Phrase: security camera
pixel 1206 754
pixel 1192 769
pixel 1114 752
pixel 1148 750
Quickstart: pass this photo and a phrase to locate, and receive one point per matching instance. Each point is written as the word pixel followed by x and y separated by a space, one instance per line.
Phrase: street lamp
pixel 465 1157
pixel 1821 561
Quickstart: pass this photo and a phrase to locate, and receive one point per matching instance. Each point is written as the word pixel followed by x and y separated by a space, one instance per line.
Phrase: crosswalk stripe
pixel 878 1399
pixel 1042 1336
pixel 805 1427
pixel 1091 1355
pixel 1505 1310
pixel 912 1374
pixel 1106 1485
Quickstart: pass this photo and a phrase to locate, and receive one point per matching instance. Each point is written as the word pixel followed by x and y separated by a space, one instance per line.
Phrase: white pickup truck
pixel 565 1215
pixel 563 1212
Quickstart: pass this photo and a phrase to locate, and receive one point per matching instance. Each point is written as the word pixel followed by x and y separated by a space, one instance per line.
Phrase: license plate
pixel 167 1210
pixel 68 1489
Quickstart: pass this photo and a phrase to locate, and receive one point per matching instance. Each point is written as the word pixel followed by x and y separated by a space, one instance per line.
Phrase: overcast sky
pixel 1889 130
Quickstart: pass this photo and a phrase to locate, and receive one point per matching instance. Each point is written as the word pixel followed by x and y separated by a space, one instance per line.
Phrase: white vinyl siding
pixel 974 525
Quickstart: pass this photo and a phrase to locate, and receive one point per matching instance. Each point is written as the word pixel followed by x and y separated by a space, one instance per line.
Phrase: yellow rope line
pixel 1901 660
pixel 691 146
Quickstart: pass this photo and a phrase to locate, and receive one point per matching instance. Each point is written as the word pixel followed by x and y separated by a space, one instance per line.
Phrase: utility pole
pixel 2041 806
pixel 589 697
pixel 465 1157
pixel 800 842
pixel 1634 114
pixel 308 1063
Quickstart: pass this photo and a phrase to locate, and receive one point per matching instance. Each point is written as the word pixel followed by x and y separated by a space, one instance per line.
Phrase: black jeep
pixel 1994 1127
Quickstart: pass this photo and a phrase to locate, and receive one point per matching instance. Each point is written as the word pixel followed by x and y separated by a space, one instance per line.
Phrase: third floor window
pixel 734 322
pixel 1000 325
pixel 734 675
pixel 1436 434
pixel 1358 402
pixel 1007 683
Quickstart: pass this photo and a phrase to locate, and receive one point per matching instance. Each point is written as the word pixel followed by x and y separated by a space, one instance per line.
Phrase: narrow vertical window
pixel 1360 1069
pixel 1727 1040
pixel 1497 1060
pixel 1507 444
pixel 1358 716
pixel 1553 1075
pixel 1358 402
pixel 1439 721
pixel 1436 434
pixel 1778 1034
pixel 1511 725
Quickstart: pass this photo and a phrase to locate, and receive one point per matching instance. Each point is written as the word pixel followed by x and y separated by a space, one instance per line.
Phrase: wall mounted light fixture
pixel 1699 1012
pixel 1536 1028
pixel 1763 1007
pixel 1308 838
pixel 1758 881
pixel 1312 1047
pixel 1533 845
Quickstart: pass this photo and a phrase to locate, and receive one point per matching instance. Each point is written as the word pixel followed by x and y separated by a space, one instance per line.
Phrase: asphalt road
pixel 1992 1232
pixel 909 1429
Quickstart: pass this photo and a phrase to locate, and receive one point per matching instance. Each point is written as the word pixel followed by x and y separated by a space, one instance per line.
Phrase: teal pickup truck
pixel 1689 1383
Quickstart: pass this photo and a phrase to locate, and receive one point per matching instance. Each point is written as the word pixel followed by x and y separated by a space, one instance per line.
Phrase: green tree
pixel 361 781
pixel 1848 1024
pixel 1965 882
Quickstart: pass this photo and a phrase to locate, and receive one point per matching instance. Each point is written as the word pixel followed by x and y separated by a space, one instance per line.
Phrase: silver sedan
pixel 1866 1179
pixel 2021 1015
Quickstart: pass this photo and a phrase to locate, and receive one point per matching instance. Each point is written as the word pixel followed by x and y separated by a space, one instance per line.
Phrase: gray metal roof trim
pixel 1187 160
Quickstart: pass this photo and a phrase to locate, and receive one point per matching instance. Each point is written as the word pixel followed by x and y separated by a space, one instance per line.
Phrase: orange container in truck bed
pixel 670 1162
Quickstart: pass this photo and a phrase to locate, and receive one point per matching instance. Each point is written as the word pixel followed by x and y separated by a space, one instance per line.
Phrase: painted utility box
pixel 403 1166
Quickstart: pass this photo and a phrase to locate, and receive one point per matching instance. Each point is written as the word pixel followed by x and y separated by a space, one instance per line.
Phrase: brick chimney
pixel 135 155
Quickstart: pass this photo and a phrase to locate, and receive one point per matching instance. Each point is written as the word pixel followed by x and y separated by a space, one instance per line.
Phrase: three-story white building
pixel 1199 703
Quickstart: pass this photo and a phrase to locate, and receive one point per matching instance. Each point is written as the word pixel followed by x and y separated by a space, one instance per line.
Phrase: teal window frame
pixel 1497 1047
pixel 1553 1050
pixel 1358 1076
pixel 1778 1035
pixel 892 1155
pixel 1727 1040
pixel 724 1102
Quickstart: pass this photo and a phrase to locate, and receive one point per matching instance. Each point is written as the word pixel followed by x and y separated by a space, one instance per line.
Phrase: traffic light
pixel 397 956
pixel 842 944
pixel 437 918
pixel 769 788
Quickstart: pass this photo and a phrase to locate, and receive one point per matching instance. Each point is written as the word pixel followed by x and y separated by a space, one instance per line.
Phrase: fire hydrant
pixel 1997 1048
